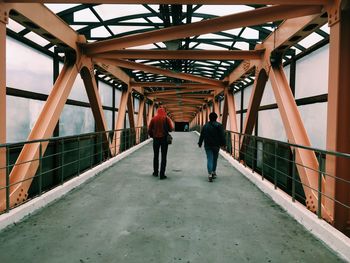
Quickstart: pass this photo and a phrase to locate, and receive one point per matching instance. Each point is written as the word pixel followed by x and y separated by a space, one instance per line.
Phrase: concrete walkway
pixel 126 215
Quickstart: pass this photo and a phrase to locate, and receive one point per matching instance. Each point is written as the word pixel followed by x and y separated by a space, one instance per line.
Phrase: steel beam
pixel 3 22
pixel 338 125
pixel 150 113
pixel 131 112
pixel 182 54
pixel 155 70
pixel 225 110
pixel 44 22
pixel 182 2
pixel 254 103
pixel 115 71
pixel 120 120
pixel 23 172
pixel 231 108
pixel 296 134
pixel 243 19
pixel 181 92
pixel 287 34
pixel 170 85
pixel 87 74
pixel 216 107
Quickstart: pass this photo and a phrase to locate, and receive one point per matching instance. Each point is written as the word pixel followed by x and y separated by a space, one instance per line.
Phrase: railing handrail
pixel 59 138
pixel 339 154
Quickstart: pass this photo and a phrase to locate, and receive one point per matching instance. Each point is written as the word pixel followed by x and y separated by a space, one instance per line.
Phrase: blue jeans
pixel 163 145
pixel 212 158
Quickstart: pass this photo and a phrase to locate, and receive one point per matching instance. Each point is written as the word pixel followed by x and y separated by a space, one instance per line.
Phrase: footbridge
pixel 118 212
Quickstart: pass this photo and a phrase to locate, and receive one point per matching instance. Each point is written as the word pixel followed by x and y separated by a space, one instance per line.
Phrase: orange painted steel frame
pixel 206 2
pixel 308 11
pixel 3 21
pixel 254 17
pixel 338 125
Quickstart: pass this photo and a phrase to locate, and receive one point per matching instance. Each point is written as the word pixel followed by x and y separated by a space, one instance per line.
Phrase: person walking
pixel 158 129
pixel 213 136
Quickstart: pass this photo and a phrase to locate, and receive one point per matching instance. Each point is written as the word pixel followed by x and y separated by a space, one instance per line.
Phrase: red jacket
pixel 157 124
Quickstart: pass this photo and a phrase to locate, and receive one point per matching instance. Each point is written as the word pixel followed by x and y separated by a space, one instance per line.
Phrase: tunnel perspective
pixel 181 126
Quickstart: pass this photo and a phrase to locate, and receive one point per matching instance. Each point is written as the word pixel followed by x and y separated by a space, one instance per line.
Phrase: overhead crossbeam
pixel 181 2
pixel 243 19
pixel 155 70
pixel 182 54
pixel 44 22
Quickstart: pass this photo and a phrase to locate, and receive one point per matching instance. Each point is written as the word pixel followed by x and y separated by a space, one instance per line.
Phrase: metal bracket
pixel 334 12
pixel 4 14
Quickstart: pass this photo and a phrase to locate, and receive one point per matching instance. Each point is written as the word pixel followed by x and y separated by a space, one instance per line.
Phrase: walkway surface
pixel 126 215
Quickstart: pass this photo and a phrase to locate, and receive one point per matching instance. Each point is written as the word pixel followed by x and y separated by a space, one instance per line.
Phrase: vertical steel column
pixel 113 106
pixel 150 113
pixel 120 121
pixel 338 124
pixel 3 22
pixel 139 120
pixel 225 110
pixel 242 107
pixel 216 108
pixel 231 107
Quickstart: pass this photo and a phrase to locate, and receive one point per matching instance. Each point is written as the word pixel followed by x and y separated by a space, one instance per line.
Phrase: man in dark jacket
pixel 158 129
pixel 213 135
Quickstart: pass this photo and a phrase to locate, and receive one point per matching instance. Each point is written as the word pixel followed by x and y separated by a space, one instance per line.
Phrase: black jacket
pixel 213 135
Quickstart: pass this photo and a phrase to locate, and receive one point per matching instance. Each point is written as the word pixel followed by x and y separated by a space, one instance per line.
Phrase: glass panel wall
pixel 25 67
pixel 21 116
pixel 76 120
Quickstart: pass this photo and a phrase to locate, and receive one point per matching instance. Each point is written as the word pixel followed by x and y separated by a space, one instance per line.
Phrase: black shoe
pixel 155 174
pixel 162 177
pixel 214 175
pixel 210 178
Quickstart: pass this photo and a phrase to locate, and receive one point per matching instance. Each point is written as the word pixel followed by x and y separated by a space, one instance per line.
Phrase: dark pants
pixel 159 143
pixel 212 158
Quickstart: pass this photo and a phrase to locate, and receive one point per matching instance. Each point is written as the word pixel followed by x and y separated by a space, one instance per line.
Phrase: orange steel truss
pixel 190 101
pixel 3 21
pixel 338 111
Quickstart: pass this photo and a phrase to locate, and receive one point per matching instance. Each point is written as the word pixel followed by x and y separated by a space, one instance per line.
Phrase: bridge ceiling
pixel 101 22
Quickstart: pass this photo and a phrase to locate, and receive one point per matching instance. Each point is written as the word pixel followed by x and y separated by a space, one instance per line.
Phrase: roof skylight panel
pixel 110 11
pixel 209 47
pixel 13 25
pixel 124 29
pixel 250 33
pixel 56 8
pixel 220 10
pixel 37 39
pixel 85 15
pixel 100 32
pixel 310 40
pixel 325 28
pixel 242 45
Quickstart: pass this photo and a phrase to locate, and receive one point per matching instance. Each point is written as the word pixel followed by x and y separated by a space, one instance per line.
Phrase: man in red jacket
pixel 158 129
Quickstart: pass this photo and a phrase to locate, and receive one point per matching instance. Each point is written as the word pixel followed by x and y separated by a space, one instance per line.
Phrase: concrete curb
pixel 18 213
pixel 333 238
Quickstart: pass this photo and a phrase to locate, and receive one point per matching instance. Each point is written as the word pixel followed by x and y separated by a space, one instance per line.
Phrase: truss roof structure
pixel 210 55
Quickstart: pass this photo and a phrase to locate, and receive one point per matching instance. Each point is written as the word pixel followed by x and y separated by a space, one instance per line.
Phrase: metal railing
pixel 64 158
pixel 277 162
